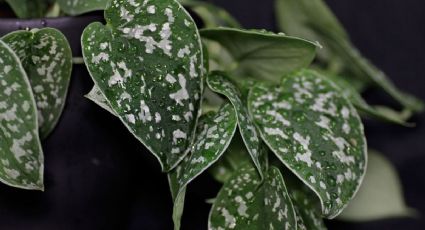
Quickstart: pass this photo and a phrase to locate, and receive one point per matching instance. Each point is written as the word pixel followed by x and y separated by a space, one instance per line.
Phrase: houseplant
pixel 257 106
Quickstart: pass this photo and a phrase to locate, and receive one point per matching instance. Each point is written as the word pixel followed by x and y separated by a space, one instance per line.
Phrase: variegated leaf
pixel 148 64
pixel 75 7
pixel 263 55
pixel 246 203
pixel 221 84
pixel 21 156
pixel 213 136
pixel 47 59
pixel 316 132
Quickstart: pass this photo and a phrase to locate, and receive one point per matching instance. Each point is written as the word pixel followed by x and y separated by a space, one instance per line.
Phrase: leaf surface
pixel 47 59
pixel 263 55
pixel 21 163
pixel 147 62
pixel 245 203
pixel 316 133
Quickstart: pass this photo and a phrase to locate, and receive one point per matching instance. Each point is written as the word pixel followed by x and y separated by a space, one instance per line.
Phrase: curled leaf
pixel 47 59
pixel 21 163
pixel 213 136
pixel 316 132
pixel 220 83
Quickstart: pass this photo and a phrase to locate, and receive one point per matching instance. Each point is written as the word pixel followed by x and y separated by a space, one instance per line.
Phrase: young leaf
pixel 76 7
pixel 47 59
pixel 316 133
pixel 213 136
pixel 28 8
pixel 148 64
pixel 245 203
pixel 96 96
pixel 312 19
pixel 380 195
pixel 218 82
pixel 21 155
pixel 263 55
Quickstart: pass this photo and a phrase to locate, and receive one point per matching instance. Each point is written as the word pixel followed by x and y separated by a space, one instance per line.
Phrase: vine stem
pixel 77 60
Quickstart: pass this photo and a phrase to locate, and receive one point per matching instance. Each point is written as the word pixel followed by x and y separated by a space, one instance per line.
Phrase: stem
pixel 77 60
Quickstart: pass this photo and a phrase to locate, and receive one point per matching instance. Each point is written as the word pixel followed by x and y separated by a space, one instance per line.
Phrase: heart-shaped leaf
pixel 148 64
pixel 380 196
pixel 246 203
pixel 47 60
pixel 213 136
pixel 28 8
pixel 312 19
pixel 221 84
pixel 316 133
pixel 76 7
pixel 263 55
pixel 21 162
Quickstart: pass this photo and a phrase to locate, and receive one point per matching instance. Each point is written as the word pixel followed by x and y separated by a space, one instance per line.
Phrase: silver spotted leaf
pixel 76 7
pixel 220 83
pixel 246 203
pixel 263 55
pixel 21 156
pixel 214 132
pixel 96 96
pixel 28 8
pixel 47 60
pixel 148 63
pixel 316 132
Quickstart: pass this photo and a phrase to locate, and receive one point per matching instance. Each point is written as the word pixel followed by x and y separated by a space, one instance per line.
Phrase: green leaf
pixel 378 112
pixel 211 15
pixel 47 59
pixel 219 83
pixel 316 133
pixel 263 55
pixel 312 19
pixel 213 136
pixel 76 7
pixel 147 61
pixel 245 203
pixel 96 96
pixel 380 195
pixel 308 211
pixel 28 8
pixel 21 155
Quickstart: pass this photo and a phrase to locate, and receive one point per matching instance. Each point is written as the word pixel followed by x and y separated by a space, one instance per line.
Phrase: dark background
pixel 99 177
